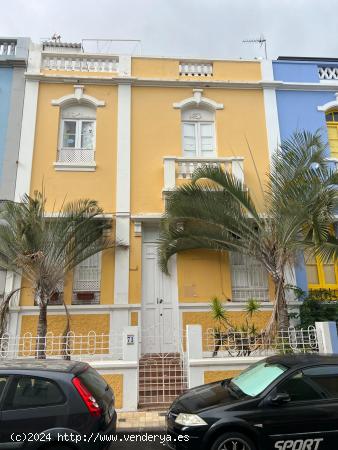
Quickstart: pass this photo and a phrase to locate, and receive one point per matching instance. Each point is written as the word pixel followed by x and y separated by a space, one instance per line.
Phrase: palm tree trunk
pixel 42 330
pixel 279 319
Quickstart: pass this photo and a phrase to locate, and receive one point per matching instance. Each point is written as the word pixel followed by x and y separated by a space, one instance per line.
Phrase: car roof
pixel 302 359
pixel 51 365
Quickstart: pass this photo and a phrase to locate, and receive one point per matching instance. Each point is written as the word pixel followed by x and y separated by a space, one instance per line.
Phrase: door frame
pixel 150 235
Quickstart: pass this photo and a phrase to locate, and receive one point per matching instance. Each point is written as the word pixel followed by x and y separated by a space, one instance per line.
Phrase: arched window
pixel 332 131
pixel 77 134
pixel 198 129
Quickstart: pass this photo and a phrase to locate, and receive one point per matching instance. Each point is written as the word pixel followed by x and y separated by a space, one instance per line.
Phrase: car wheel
pixel 233 441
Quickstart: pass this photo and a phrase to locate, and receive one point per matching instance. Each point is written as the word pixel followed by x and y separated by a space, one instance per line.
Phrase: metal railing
pixel 241 343
pixel 91 346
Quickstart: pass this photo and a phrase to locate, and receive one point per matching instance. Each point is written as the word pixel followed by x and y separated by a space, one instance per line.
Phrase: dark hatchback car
pixel 54 404
pixel 282 402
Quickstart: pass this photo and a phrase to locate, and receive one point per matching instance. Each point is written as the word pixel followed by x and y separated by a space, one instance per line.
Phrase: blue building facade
pixel 306 97
pixel 13 63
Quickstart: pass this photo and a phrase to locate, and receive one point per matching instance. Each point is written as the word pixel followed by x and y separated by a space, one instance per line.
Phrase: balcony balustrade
pixel 76 155
pixel 182 168
pixel 7 47
pixel 328 73
pixel 196 69
pixel 79 63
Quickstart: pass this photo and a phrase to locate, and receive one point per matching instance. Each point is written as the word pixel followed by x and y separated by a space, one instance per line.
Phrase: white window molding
pixel 74 167
pixel 198 100
pixel 77 97
pixel 329 105
pixel 77 138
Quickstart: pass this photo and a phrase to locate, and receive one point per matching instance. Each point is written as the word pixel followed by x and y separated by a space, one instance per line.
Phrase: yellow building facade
pixel 124 131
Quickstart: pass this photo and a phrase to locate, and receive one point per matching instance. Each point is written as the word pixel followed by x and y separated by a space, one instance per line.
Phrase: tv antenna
pixel 261 41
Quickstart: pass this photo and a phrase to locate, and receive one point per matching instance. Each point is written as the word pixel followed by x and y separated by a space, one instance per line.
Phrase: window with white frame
pixel 249 278
pixel 77 134
pixel 198 128
pixel 87 279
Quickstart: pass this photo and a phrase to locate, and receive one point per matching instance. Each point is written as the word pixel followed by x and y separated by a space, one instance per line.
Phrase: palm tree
pixel 44 247
pixel 216 211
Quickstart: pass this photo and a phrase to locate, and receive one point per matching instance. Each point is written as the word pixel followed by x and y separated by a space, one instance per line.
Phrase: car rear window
pixel 94 382
pixel 27 392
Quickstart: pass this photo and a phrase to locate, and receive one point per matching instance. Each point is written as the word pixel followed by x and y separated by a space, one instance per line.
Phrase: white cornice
pixel 210 84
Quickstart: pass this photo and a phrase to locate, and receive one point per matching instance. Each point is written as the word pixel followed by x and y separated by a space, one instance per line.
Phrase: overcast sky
pixel 196 28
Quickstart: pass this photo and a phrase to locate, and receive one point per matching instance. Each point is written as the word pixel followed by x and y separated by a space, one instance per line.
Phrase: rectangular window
pixel 78 134
pixel 249 278
pixel 199 139
pixel 88 274
pixel 321 275
pixel 69 134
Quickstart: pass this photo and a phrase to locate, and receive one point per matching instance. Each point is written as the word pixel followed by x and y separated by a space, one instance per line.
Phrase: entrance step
pixel 161 379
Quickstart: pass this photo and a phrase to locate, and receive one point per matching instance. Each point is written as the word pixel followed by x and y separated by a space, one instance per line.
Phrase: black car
pixel 54 404
pixel 282 402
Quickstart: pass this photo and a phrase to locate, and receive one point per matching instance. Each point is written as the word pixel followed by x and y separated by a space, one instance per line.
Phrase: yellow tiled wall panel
pixel 79 324
pixel 115 381
pixel 217 375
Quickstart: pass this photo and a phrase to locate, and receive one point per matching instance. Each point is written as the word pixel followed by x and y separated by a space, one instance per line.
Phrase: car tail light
pixel 87 397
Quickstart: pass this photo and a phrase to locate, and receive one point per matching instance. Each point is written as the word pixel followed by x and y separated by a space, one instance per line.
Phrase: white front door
pixel 159 304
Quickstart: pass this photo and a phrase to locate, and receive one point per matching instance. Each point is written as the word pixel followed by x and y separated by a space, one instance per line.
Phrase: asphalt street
pixel 144 441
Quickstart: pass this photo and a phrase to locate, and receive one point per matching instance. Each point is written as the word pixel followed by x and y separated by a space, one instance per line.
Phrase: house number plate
pixel 130 339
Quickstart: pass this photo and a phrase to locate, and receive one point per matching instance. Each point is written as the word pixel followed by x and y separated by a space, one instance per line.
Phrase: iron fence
pixel 238 343
pixel 71 346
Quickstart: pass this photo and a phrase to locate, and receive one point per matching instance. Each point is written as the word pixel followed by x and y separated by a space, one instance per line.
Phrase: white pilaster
pixel 194 352
pixel 121 286
pixel 26 149
pixel 271 111
pixel 327 337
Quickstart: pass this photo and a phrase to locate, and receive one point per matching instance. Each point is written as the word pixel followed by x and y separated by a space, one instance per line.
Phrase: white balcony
pixel 328 73
pixel 77 62
pixel 196 69
pixel 7 48
pixel 181 168
pixel 75 159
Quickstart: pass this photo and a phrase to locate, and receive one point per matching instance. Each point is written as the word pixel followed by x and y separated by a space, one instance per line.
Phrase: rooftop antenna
pixel 261 41
pixel 56 37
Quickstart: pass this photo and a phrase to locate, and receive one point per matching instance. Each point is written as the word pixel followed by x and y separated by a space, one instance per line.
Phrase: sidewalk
pixel 141 421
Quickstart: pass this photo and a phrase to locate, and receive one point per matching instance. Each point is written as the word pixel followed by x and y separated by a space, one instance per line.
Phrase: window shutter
pixel 189 139
pixel 207 139
pixel 88 274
